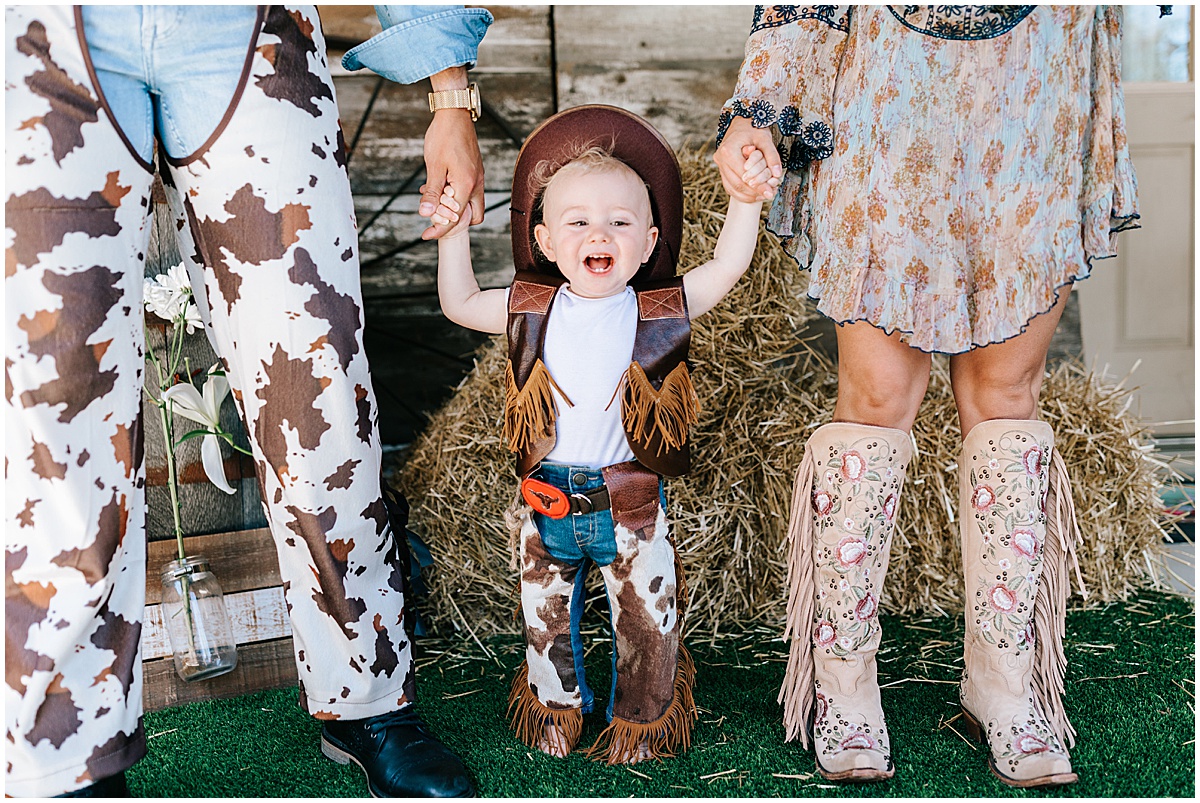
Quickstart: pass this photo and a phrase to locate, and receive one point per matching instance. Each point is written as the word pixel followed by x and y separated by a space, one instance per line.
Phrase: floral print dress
pixel 948 169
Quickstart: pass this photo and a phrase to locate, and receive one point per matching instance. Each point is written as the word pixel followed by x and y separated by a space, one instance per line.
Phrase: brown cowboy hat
pixel 635 142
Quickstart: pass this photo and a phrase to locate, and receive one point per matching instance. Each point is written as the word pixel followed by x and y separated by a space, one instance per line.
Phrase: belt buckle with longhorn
pixel 544 498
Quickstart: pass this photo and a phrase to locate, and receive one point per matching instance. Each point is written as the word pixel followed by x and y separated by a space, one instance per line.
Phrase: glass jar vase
pixel 196 620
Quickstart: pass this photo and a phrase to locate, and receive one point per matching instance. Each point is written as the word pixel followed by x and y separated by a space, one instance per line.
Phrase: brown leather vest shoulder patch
pixel 663 303
pixel 530 297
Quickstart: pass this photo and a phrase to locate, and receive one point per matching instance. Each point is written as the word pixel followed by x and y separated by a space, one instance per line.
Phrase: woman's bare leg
pixel 1004 380
pixel 881 381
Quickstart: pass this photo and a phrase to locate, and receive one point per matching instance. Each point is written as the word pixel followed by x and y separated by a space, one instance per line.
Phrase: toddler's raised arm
pixel 706 285
pixel 458 291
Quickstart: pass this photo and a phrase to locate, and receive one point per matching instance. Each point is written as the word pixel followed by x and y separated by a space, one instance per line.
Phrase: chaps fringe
pixel 665 737
pixel 670 411
pixel 799 691
pixel 1050 605
pixel 681 589
pixel 529 718
pixel 529 413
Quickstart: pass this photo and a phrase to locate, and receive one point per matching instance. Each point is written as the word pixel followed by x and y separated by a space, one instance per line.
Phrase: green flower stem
pixel 166 418
pixel 172 478
pixel 228 438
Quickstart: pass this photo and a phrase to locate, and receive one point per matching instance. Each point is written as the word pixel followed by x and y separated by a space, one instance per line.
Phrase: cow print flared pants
pixel 266 226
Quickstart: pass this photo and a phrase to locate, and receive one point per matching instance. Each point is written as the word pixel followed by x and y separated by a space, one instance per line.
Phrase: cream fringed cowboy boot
pixel 846 494
pixel 1018 540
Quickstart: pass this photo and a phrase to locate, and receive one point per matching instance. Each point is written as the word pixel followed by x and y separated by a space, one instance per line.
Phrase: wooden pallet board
pixel 246 567
pixel 264 665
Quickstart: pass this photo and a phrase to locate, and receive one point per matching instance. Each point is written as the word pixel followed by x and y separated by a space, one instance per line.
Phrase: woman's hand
pixel 732 160
pixel 756 173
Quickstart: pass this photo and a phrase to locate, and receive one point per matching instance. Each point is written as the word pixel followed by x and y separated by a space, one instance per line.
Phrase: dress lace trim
pixel 774 16
pixel 811 140
pixel 961 22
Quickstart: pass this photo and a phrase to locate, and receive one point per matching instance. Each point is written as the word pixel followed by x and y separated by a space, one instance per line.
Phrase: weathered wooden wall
pixel 205 508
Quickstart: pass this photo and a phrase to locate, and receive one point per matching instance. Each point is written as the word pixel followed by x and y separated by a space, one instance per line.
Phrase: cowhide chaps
pixel 267 227
pixel 650 705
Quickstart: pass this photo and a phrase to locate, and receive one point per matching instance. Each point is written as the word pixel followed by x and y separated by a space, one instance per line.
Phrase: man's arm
pixel 441 43
pixel 452 156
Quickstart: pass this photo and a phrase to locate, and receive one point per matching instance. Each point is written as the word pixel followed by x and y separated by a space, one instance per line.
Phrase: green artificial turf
pixel 1130 694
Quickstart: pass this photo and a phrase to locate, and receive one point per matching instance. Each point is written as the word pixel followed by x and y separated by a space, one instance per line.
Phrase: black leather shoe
pixel 399 755
pixel 112 786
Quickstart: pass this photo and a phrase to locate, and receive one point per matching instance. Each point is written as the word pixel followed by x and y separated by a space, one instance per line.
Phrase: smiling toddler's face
pixel 597 227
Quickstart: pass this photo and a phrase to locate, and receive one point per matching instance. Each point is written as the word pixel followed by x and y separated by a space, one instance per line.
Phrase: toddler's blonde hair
pixel 590 156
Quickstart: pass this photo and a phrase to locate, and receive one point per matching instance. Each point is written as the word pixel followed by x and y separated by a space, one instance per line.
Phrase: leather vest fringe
pixel 658 402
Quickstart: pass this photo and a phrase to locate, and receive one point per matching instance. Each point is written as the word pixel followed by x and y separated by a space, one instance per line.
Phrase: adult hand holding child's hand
pixel 451 215
pixel 733 159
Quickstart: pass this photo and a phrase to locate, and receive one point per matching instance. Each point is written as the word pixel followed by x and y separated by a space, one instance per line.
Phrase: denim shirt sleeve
pixel 418 41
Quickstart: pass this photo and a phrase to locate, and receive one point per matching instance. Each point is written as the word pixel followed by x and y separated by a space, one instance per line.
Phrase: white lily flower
pixel 177 279
pixel 156 298
pixel 205 409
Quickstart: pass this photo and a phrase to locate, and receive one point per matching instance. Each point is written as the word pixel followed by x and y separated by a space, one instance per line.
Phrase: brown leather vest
pixel 660 347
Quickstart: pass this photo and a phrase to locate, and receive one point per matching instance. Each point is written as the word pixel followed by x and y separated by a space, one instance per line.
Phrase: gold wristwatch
pixel 457 99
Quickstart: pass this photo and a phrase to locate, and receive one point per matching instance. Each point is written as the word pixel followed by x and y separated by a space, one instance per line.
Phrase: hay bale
pixel 763 392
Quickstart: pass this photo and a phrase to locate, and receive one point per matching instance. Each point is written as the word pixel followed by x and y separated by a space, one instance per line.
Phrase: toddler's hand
pixel 757 174
pixel 450 211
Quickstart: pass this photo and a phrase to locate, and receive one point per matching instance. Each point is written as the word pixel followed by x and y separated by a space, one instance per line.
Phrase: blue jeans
pixel 169 69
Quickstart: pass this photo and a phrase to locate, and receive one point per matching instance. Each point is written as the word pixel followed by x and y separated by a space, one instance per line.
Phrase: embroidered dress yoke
pixel 948 169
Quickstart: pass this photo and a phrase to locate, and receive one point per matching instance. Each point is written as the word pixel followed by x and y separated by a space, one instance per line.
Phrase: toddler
pixel 596 313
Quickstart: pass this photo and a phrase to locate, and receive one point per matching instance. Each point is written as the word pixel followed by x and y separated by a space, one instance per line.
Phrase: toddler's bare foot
pixel 554 742
pixel 638 755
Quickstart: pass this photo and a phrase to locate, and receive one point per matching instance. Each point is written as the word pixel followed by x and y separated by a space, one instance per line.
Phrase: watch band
pixel 456 99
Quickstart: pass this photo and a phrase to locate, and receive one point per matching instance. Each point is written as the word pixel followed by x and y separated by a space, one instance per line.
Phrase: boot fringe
pixel 528 717
pixel 666 736
pixel 1050 605
pixel 530 412
pixel 799 690
pixel 670 412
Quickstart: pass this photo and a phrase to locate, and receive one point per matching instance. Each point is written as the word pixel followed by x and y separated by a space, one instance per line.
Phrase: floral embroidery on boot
pixel 1004 482
pixel 842 520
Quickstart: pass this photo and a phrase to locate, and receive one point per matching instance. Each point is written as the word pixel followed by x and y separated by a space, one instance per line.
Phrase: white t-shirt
pixel 589 345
